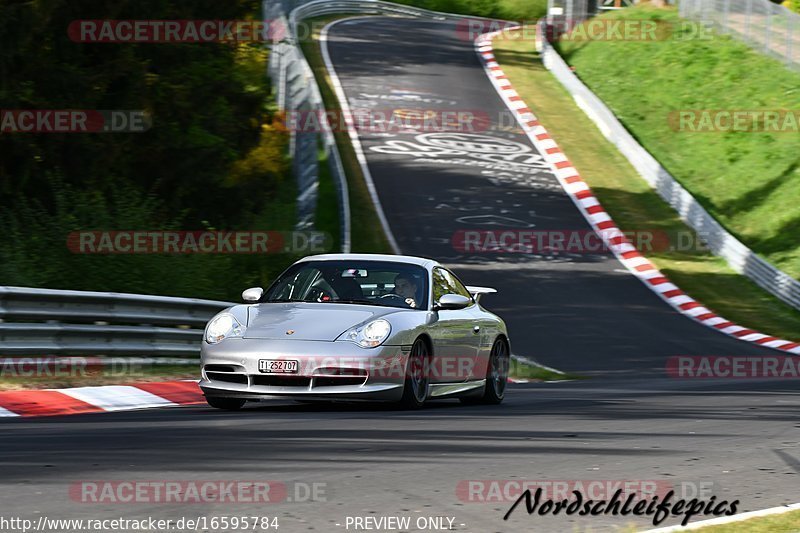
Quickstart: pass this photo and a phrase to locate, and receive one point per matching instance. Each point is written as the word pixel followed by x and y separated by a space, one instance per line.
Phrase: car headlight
pixel 370 335
pixel 221 327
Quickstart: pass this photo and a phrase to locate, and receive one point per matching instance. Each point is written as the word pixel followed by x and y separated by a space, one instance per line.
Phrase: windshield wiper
pixel 349 301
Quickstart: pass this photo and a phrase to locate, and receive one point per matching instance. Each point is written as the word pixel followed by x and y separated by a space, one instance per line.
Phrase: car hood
pixel 308 321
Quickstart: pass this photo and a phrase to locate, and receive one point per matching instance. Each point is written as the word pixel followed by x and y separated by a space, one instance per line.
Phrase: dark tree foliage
pixel 204 109
pixel 210 109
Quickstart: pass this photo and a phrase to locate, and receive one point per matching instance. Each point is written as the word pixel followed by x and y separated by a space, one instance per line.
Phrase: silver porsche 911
pixel 357 326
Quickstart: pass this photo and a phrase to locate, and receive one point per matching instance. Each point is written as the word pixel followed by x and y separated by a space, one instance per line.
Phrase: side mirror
pixel 253 294
pixel 452 301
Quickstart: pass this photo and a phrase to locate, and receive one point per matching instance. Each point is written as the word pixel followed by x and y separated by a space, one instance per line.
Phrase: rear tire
pixel 415 389
pixel 496 376
pixel 227 404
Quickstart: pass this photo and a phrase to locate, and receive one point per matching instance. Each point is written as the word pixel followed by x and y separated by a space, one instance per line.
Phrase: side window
pixel 440 285
pixel 455 285
pixel 297 287
pixel 445 282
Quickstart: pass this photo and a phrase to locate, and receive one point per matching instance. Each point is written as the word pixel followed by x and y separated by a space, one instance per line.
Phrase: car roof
pixel 410 259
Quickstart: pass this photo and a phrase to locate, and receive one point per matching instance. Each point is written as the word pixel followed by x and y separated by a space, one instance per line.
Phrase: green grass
pixel 366 231
pixel 326 217
pixel 519 370
pixel 782 523
pixel 749 181
pixel 633 204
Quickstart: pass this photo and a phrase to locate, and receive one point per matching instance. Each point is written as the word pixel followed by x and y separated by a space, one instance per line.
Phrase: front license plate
pixel 277 366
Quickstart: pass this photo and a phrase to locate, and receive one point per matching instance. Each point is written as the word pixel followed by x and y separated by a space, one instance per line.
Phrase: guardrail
pixel 46 321
pixel 741 258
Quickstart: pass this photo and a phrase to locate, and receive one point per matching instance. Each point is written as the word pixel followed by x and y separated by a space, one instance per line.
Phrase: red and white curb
pixel 81 400
pixel 105 399
pixel 583 197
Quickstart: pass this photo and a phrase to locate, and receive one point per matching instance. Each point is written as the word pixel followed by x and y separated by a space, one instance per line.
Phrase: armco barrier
pixel 719 240
pixel 46 321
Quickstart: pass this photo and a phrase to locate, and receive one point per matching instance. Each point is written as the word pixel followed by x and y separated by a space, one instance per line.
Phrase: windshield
pixel 381 283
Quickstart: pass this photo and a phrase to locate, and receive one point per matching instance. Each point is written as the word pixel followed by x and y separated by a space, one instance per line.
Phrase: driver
pixel 406 286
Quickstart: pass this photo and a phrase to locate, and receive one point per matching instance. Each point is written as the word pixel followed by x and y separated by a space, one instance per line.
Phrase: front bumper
pixel 326 370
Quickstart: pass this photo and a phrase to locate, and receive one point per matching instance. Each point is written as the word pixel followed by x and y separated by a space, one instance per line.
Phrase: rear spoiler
pixel 477 292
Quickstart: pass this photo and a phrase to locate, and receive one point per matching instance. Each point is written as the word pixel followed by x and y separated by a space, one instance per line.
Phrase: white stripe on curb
pixel 117 397
pixel 6 413
pixel 728 519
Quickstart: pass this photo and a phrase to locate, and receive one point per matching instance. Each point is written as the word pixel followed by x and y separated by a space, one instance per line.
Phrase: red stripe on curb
pixel 44 403
pixel 658 281
pixel 595 209
pixel 706 316
pixel 606 224
pixel 180 392
pixel 744 333
pixel 766 340
pixel 673 293
pixel 554 150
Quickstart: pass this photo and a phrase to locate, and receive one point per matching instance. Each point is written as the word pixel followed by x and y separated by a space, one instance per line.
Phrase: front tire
pixel 415 389
pixel 227 404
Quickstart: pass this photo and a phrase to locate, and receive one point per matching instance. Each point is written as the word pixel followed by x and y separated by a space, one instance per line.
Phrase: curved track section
pixel 577 312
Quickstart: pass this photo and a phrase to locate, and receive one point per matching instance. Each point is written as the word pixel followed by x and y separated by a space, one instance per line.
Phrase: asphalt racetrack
pixel 733 439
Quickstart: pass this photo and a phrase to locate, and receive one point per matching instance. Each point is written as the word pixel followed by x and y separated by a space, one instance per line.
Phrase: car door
pixel 456 342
